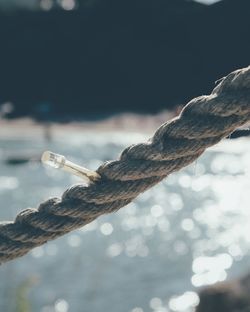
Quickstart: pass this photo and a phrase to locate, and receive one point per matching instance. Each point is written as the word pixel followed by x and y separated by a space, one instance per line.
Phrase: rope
pixel 203 122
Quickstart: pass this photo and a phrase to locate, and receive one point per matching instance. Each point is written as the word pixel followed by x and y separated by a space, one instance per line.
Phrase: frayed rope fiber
pixel 203 122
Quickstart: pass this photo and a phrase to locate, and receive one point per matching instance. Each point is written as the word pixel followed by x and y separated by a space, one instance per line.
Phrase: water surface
pixel 189 231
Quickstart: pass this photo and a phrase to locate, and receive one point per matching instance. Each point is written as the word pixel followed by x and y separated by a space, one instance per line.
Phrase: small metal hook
pixel 60 162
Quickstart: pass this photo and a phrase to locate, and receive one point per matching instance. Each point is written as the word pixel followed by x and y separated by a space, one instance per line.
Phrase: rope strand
pixel 203 122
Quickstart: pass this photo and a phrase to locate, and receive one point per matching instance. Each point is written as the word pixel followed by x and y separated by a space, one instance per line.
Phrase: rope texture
pixel 203 122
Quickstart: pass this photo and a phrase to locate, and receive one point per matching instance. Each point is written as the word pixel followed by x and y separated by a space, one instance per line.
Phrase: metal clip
pixel 60 162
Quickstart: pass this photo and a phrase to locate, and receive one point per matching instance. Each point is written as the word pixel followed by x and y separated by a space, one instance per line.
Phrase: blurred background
pixel 90 58
pixel 86 78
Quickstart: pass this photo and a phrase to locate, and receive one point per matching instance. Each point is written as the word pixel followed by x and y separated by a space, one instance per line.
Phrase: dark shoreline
pixel 122 55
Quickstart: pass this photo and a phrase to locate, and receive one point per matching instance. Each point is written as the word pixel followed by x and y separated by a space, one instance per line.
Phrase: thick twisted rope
pixel 203 122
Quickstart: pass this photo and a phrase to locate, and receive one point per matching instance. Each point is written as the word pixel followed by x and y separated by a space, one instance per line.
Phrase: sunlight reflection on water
pixel 189 231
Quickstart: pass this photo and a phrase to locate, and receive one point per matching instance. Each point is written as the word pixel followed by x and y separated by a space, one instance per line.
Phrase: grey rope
pixel 203 122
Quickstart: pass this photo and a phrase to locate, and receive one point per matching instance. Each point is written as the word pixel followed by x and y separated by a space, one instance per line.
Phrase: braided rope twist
pixel 203 122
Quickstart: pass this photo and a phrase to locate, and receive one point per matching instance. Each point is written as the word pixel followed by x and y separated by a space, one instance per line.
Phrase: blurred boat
pixel 20 159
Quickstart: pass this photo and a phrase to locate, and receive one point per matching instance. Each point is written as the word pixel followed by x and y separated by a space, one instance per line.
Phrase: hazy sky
pixel 207 1
pixel 33 3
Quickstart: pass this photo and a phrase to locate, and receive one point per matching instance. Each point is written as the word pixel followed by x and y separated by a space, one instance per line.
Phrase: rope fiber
pixel 203 122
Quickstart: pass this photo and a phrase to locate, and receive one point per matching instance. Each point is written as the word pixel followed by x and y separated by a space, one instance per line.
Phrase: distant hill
pixel 119 55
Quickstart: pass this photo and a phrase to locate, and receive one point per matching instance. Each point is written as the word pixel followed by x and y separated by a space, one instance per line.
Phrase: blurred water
pixel 189 231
